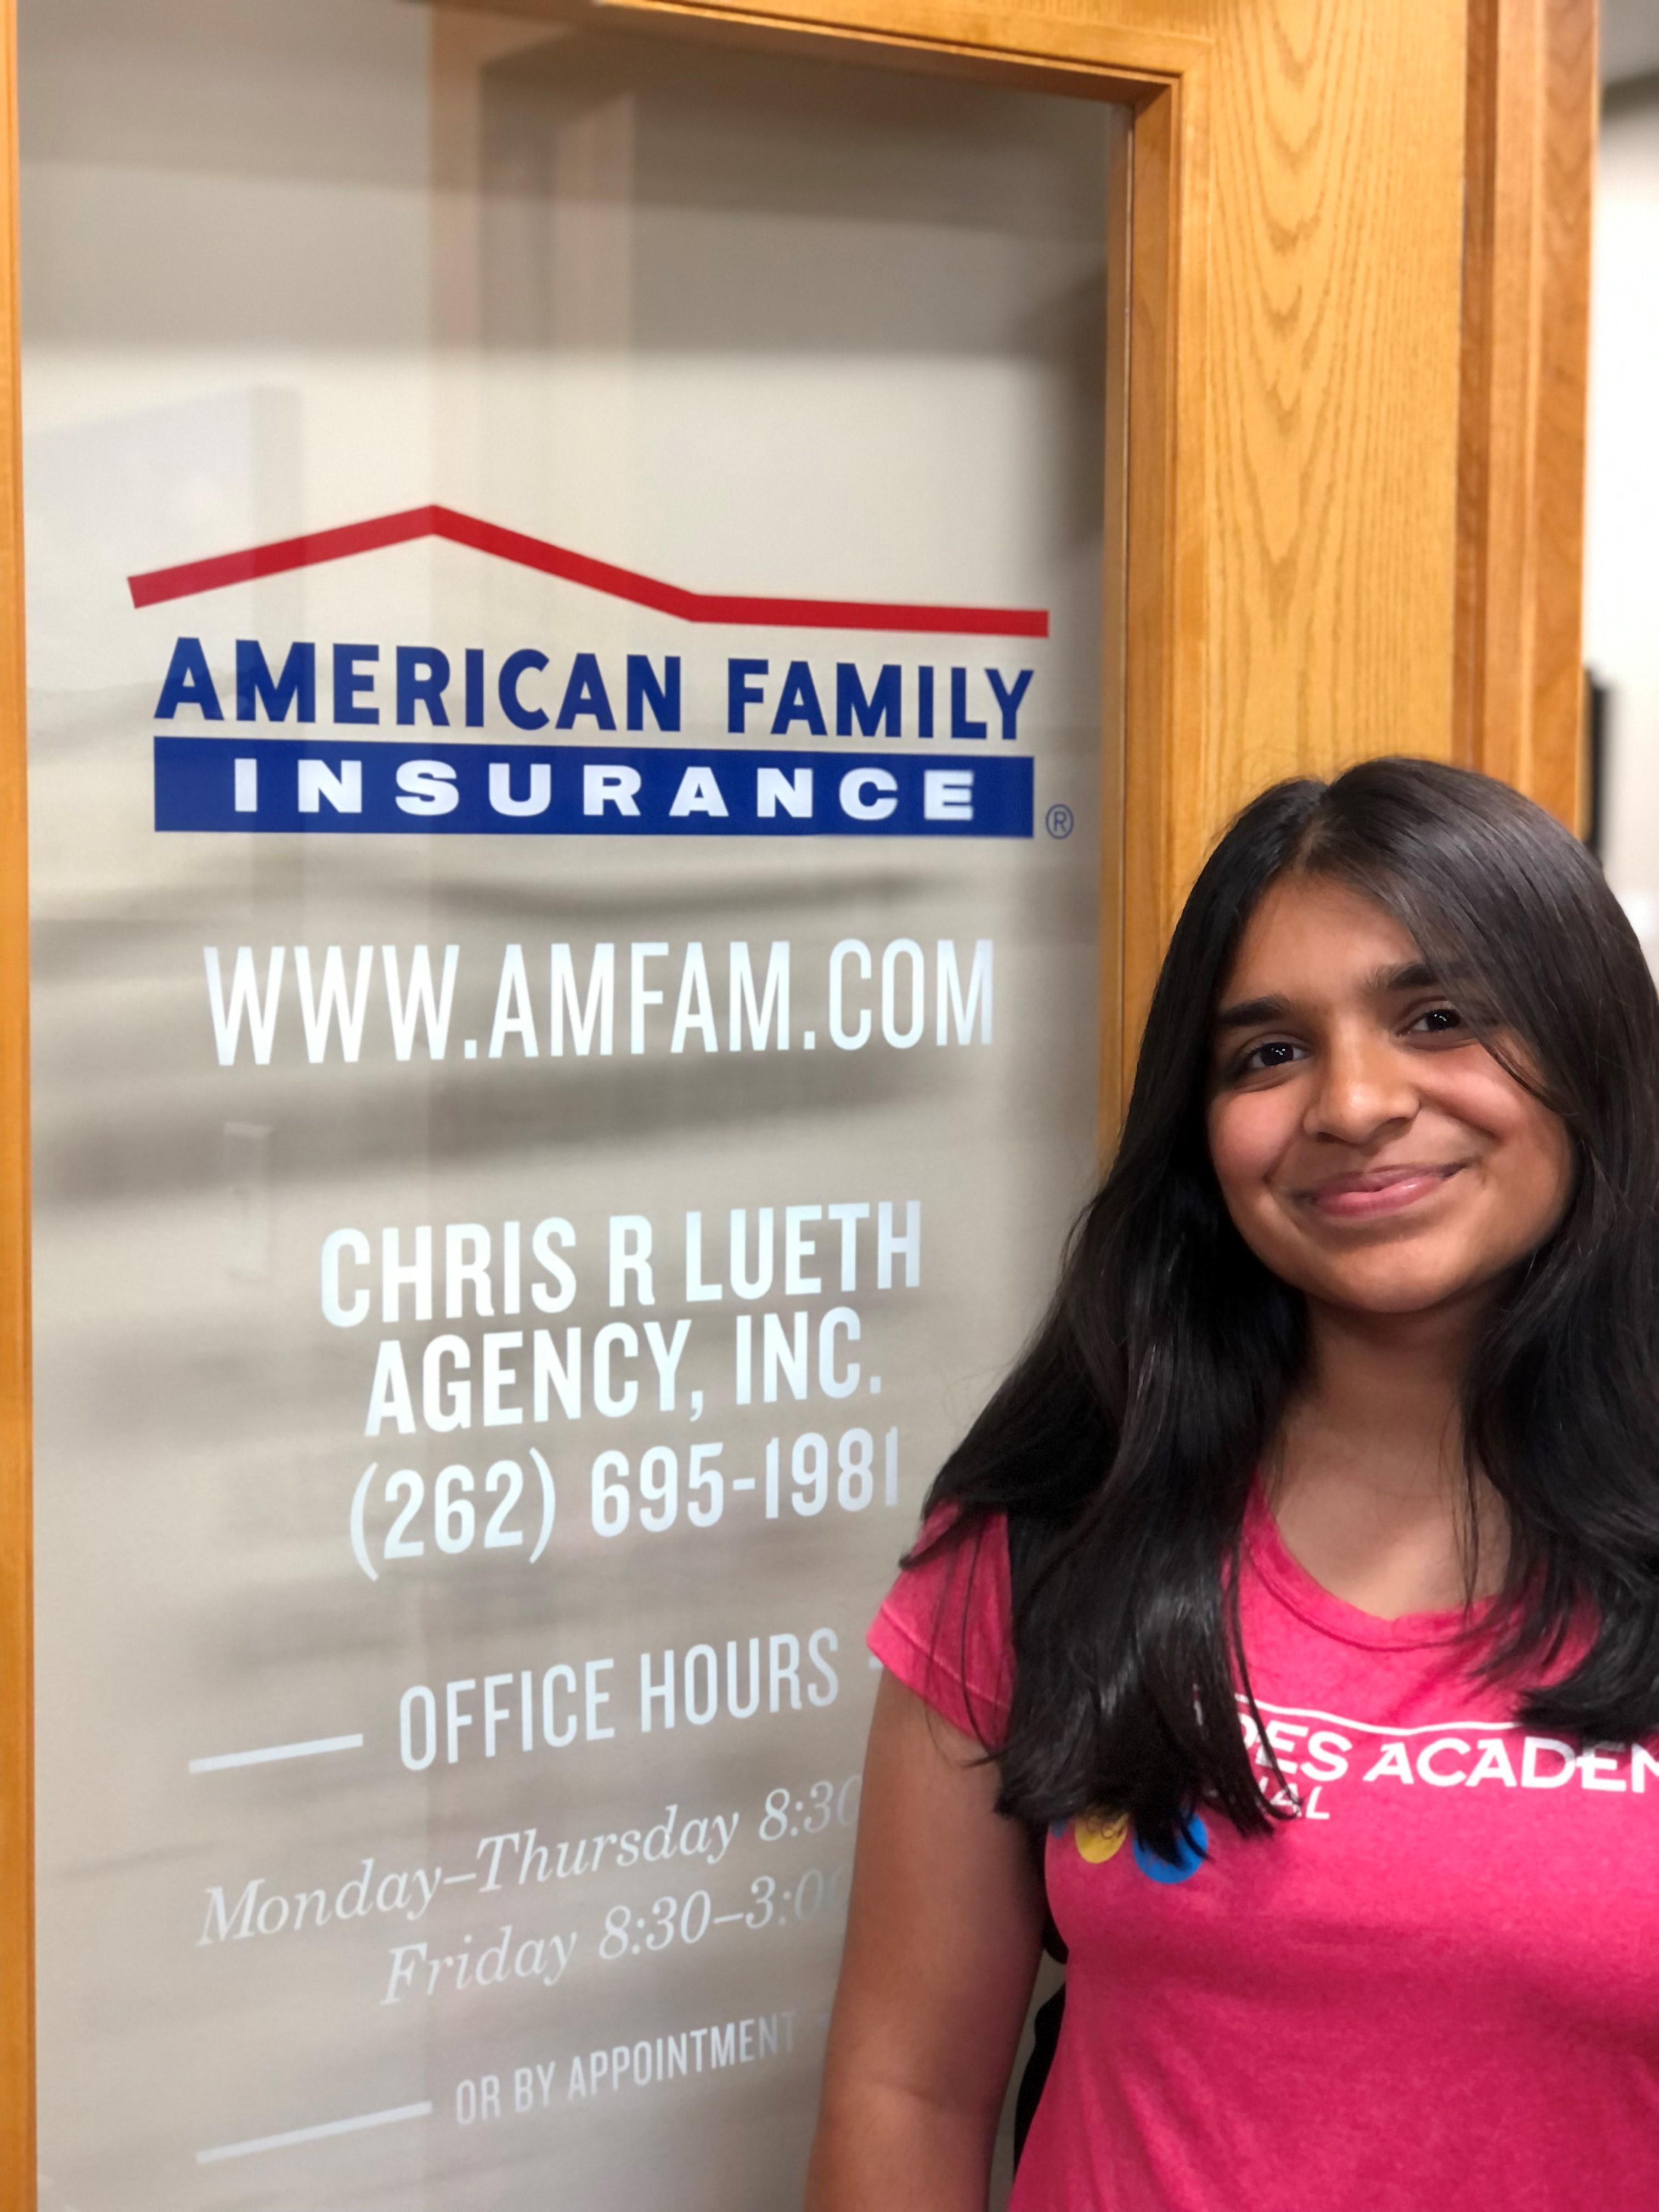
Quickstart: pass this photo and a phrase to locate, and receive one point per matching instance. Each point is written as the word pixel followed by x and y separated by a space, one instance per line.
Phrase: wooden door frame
pixel 1210 639
pixel 1533 101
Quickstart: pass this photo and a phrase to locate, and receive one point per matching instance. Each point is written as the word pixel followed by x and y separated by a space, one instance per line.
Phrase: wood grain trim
pixel 1083 64
pixel 1165 554
pixel 1115 629
pixel 1518 679
pixel 1147 43
pixel 17 2183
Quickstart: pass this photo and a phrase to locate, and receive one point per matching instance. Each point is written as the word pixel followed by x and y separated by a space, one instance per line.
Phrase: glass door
pixel 566 748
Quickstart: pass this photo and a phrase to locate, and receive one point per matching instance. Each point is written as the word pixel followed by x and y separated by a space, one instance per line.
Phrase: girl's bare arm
pixel 943 1936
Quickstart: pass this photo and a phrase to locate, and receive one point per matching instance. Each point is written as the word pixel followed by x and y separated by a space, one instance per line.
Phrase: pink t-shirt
pixel 1436 1990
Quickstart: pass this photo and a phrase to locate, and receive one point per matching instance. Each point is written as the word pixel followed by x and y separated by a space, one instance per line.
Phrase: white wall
pixel 1621 640
pixel 1630 40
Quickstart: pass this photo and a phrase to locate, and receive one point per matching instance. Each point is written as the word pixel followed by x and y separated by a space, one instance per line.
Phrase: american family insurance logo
pixel 557 772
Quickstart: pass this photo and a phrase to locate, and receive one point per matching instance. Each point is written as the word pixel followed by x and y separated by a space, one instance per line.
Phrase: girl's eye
pixel 1264 1059
pixel 1436 1021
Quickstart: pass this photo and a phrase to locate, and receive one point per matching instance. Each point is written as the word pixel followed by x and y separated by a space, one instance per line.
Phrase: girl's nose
pixel 1363 1085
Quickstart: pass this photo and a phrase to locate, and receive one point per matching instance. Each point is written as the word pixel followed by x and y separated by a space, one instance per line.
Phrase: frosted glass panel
pixel 564 630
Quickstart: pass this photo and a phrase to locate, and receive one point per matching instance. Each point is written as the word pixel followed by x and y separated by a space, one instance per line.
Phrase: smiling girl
pixel 1284 1637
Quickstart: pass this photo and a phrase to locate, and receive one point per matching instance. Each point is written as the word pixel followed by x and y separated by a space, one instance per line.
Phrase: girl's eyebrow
pixel 1246 1013
pixel 1413 976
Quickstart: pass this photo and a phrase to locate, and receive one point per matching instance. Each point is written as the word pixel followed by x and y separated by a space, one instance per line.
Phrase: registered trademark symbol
pixel 1061 821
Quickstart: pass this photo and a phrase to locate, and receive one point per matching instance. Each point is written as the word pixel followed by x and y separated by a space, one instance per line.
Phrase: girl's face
pixel 1370 1148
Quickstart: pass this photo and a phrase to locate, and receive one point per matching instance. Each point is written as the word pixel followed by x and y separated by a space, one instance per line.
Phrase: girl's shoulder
pixel 945 1626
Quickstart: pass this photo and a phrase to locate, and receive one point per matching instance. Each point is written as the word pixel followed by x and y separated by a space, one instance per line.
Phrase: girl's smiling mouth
pixel 1375 1191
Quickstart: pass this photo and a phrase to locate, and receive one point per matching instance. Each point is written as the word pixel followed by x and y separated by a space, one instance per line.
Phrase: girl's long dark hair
pixel 1122 1445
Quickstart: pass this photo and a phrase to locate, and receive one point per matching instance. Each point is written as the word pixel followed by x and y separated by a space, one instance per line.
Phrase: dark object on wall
pixel 1598 706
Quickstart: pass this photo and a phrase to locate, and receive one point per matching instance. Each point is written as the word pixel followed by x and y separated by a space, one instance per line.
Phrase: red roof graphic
pixel 190 577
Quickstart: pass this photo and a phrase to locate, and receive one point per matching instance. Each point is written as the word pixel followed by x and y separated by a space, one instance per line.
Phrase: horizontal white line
pixel 276 1751
pixel 1376 1728
pixel 421 2111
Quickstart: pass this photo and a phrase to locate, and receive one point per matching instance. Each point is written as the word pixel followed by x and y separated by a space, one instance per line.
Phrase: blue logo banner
pixel 378 788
